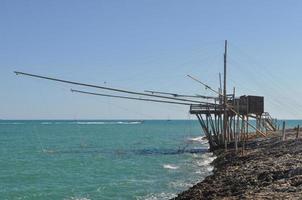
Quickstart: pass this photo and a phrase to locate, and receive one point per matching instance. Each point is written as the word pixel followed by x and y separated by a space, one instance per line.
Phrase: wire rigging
pixel 264 77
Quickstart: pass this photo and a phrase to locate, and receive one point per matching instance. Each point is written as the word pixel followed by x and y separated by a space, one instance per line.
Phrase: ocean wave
pixel 199 139
pixel 206 159
pixel 44 123
pixel 168 166
pixel 194 155
pixel 75 122
pixel 180 184
pixel 88 122
pixel 210 168
pixel 11 123
pixel 77 198
pixel 48 151
pixel 129 122
pixel 204 170
pixel 97 122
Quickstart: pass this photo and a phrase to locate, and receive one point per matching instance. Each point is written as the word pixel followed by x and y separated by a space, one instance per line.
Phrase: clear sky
pixel 146 44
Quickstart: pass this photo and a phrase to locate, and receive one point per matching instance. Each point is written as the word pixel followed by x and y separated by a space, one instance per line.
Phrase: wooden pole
pixel 283 131
pixel 257 123
pixel 225 96
pixel 234 123
pixel 230 122
pixel 220 87
pixel 246 125
pixel 298 131
pixel 247 118
pixel 243 133
pixel 237 129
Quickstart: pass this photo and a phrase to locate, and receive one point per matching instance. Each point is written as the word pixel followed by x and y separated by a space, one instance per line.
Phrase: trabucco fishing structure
pixel 224 118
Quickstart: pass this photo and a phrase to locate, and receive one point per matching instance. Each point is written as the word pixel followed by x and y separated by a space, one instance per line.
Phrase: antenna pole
pixel 224 94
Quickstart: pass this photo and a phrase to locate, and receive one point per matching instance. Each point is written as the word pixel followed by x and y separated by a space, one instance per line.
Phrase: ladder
pixel 268 122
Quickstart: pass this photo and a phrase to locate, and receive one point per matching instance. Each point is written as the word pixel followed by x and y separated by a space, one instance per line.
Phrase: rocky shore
pixel 269 168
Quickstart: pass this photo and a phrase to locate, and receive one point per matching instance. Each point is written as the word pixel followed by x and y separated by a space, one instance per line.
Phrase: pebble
pixel 269 169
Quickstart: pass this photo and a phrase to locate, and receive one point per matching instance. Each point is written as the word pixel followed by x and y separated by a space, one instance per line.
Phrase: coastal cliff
pixel 269 168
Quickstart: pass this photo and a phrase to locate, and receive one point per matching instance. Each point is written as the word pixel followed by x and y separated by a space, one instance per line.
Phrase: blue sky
pixel 146 44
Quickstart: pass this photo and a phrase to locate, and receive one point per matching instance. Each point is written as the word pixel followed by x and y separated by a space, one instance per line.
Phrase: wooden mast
pixel 225 96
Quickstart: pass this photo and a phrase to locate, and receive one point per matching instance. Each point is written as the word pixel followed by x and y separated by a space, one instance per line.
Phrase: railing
pixel 204 107
pixel 269 122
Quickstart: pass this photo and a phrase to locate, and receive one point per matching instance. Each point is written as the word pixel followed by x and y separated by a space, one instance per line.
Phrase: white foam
pixel 50 151
pixel 180 184
pixel 129 122
pixel 63 122
pixel 14 123
pixel 168 166
pixel 120 122
pixel 134 122
pixel 200 139
pixel 81 122
pixel 210 168
pixel 194 155
pixel 77 198
pixel 199 172
pixel 206 160
pixel 46 122
pixel 90 123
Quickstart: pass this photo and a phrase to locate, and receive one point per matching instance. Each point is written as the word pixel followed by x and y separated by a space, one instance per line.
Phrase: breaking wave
pixel 71 122
pixel 205 160
pixel 46 123
pixel 12 123
pixel 200 139
pixel 168 166
pixel 92 122
pixel 180 184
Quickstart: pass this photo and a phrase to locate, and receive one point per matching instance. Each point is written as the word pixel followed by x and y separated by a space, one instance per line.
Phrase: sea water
pixel 96 159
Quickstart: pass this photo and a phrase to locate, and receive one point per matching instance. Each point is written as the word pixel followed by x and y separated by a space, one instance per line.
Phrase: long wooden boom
pixel 132 98
pixel 181 95
pixel 108 88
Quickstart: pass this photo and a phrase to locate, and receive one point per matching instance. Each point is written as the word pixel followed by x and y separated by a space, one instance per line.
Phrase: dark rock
pixel 269 169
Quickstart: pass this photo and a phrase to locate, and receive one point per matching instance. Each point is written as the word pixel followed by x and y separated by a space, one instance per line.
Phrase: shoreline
pixel 269 168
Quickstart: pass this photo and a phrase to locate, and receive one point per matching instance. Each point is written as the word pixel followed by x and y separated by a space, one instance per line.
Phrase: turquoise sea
pixel 95 159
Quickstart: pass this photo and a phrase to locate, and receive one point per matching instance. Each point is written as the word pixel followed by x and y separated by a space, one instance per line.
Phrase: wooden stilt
pixel 283 131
